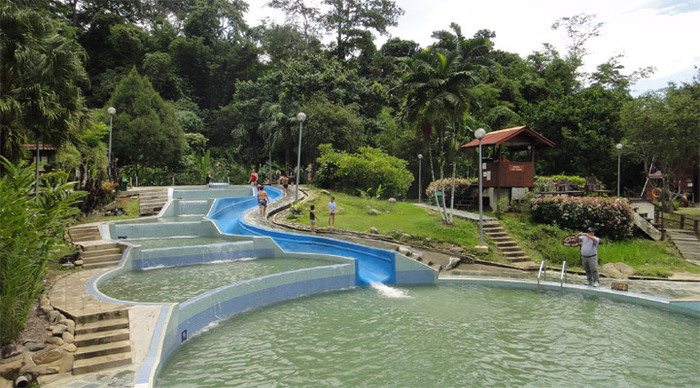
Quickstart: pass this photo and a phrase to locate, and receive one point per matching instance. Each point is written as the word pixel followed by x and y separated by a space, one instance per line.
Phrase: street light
pixel 301 117
pixel 420 179
pixel 479 134
pixel 619 152
pixel 111 112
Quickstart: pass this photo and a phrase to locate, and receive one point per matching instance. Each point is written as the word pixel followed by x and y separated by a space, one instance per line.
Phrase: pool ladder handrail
pixel 541 272
pixel 562 278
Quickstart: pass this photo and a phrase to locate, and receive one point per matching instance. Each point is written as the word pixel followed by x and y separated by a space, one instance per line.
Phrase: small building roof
pixel 516 136
pixel 42 147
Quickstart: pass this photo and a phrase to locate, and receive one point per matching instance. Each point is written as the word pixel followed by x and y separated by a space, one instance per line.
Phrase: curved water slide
pixel 373 265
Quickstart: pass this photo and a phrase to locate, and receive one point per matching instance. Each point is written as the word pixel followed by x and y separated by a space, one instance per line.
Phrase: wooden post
pixel 695 227
pixel 682 221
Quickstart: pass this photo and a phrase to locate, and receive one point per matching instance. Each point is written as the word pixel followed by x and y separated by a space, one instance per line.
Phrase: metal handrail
pixel 543 270
pixel 562 278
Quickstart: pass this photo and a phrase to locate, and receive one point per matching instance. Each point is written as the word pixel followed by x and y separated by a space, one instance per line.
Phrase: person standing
pixel 284 180
pixel 208 179
pixel 331 212
pixel 312 219
pixel 253 180
pixel 263 199
pixel 589 255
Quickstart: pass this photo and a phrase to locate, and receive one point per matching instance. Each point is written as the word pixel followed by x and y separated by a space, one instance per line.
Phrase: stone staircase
pixel 152 200
pixel 503 241
pixel 103 341
pixel 101 255
pixel 687 243
pixel 83 233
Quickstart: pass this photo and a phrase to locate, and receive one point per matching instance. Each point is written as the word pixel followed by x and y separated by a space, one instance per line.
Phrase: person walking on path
pixel 589 255
pixel 331 212
pixel 284 180
pixel 263 199
pixel 312 219
pixel 253 180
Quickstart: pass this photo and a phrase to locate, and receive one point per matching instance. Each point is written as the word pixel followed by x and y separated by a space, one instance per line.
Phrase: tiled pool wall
pixel 411 272
pixel 197 314
pixel 204 194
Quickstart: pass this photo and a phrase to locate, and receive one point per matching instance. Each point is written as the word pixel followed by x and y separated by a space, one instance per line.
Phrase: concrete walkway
pixel 457 213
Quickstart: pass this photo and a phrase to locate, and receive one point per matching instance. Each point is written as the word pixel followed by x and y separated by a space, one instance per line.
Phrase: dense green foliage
pixel 30 228
pixel 365 170
pixel 548 183
pixel 611 217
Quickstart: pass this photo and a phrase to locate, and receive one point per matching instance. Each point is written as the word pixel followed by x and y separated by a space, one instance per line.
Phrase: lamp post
pixel 301 117
pixel 111 112
pixel 619 152
pixel 479 134
pixel 420 178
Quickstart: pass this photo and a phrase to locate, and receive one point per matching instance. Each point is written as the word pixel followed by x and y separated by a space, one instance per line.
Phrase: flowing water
pixel 179 241
pixel 177 284
pixel 443 336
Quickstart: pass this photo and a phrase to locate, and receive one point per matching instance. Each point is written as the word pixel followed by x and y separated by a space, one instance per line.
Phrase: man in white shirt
pixel 589 255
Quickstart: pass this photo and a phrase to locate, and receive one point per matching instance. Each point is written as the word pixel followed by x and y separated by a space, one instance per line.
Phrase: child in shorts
pixel 312 219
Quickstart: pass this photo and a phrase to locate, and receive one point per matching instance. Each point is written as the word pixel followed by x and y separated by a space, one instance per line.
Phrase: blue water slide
pixel 373 265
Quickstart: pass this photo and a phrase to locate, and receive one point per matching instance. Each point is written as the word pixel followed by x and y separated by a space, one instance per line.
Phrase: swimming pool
pixel 443 336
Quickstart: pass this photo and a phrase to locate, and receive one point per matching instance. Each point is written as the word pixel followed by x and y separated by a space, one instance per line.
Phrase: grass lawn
pixel 647 257
pixel 130 206
pixel 689 211
pixel 393 220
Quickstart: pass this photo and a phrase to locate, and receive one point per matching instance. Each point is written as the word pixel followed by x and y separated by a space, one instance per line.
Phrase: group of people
pixel 282 179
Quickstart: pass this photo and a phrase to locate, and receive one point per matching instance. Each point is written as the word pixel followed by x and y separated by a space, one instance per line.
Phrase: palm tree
pixel 437 99
pixel 274 126
pixel 40 74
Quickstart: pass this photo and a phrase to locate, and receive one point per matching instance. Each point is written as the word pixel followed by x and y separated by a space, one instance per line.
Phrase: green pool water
pixel 177 284
pixel 444 336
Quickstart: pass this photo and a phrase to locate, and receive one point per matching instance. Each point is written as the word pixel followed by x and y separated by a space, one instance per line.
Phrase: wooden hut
pixel 509 170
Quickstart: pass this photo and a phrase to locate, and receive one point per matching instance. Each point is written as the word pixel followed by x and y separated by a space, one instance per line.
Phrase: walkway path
pixel 457 213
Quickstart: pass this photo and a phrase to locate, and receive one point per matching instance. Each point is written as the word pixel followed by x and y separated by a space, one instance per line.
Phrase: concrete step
pixel 99 247
pixel 101 252
pixel 101 337
pixel 497 234
pixel 105 264
pixel 502 239
pixel 87 352
pixel 101 326
pixel 102 258
pixel 113 314
pixel 519 259
pixel 100 363
pixel 505 243
pixel 508 249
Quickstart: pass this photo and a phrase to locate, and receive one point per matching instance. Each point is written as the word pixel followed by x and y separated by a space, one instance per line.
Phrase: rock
pixel 58 330
pixel 10 368
pixel 374 230
pixel 46 309
pixel 419 259
pixel 78 262
pixel 620 286
pixel 5 383
pixel 430 263
pixel 404 250
pixel 617 270
pixel 418 255
pixel 457 249
pixel 70 347
pixel 68 265
pixel 34 346
pixel 392 200
pixel 54 316
pixel 9 351
pixel 58 341
pixel 68 337
pixel 47 356
pixel 70 324
pixel 454 262
pixel 405 236
pixel 325 192
pixel 44 300
pixel 373 212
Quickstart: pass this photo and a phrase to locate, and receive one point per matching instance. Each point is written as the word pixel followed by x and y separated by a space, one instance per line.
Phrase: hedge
pixel 611 217
pixel 365 170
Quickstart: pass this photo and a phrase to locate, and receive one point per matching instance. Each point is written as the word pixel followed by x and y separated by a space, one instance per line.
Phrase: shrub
pixel 31 226
pixel 365 170
pixel 548 183
pixel 612 217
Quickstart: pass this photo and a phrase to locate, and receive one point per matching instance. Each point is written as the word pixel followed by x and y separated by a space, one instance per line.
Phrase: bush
pixel 548 183
pixel 612 217
pixel 31 226
pixel 365 170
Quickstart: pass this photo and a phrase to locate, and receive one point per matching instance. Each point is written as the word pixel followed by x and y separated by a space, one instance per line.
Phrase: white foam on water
pixel 161 266
pixel 390 292
pixel 247 258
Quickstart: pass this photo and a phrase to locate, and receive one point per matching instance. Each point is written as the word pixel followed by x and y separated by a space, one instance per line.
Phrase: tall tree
pixel 351 20
pixel 146 131
pixel 41 72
